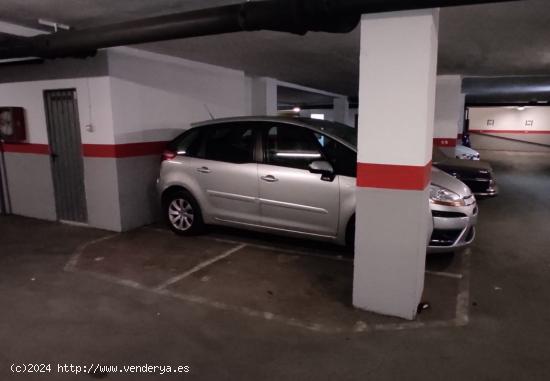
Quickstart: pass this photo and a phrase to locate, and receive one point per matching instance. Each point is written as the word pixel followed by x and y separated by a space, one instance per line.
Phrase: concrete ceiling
pixel 498 39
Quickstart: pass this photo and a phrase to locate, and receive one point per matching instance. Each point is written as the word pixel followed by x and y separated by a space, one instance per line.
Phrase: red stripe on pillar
pixel 445 142
pixel 123 150
pixel 40 149
pixel 388 176
pixel 459 137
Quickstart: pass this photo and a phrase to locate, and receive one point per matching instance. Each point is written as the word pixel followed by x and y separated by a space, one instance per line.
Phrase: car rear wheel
pixel 183 214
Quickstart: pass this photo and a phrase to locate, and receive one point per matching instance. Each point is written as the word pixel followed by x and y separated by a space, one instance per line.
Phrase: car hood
pixel 444 180
pixel 465 166
pixel 465 150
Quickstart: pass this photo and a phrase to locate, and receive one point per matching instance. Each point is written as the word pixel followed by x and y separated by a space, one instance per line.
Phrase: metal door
pixel 66 154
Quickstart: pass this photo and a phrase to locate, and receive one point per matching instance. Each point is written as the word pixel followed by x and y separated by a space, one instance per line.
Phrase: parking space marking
pixel 198 267
pixel 463 297
pixel 250 312
pixel 265 247
pixel 462 301
pixel 72 262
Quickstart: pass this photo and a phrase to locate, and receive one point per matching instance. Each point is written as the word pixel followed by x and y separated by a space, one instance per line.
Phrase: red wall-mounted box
pixel 12 124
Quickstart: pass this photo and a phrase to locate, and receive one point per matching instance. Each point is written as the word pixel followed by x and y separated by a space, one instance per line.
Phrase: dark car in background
pixel 477 174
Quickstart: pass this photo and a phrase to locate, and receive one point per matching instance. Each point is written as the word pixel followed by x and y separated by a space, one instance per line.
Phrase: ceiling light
pixel 318 116
pixel 296 109
pixel 521 108
pixel 52 24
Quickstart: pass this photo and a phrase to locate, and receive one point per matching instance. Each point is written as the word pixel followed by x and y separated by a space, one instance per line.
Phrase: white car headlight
pixel 444 196
pixel 467 156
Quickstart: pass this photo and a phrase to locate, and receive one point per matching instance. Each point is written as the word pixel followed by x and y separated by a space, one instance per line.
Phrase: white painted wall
pixel 94 106
pixel 510 118
pixel 449 106
pixel 156 96
pixel 263 95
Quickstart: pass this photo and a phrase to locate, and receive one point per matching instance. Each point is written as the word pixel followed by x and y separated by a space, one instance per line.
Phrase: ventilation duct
pixel 292 16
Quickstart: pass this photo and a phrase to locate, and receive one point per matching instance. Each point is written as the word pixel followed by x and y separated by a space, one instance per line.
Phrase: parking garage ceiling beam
pixel 292 16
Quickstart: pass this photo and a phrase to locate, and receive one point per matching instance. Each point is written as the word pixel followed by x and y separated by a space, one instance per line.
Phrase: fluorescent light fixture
pixel 55 25
pixel 318 116
pixel 297 154
pixel 22 59
pixel 296 109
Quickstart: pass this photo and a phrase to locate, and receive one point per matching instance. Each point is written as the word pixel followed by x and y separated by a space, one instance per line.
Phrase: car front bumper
pixel 454 227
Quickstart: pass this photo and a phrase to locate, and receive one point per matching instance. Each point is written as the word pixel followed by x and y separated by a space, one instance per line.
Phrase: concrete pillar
pixel 449 106
pixel 462 120
pixel 396 113
pixel 264 96
pixel 341 110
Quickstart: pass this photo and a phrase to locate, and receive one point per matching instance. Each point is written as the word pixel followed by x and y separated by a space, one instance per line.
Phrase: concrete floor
pixel 72 295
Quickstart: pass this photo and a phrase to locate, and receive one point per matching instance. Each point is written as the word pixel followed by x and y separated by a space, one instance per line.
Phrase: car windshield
pixel 338 130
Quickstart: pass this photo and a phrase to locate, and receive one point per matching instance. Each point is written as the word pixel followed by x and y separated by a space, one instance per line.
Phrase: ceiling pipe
pixel 292 16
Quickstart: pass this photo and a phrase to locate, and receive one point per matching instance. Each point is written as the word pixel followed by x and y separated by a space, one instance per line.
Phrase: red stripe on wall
pixel 511 131
pixel 40 149
pixel 123 150
pixel 388 176
pixel 445 142
pixel 95 150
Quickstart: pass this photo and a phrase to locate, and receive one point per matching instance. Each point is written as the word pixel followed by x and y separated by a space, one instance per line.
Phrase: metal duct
pixel 293 16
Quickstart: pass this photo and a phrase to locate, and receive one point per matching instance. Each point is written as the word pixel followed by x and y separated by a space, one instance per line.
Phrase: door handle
pixel 203 170
pixel 269 178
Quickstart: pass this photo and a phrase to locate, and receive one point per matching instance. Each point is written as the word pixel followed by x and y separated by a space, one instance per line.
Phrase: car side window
pixel 291 146
pixel 343 159
pixel 232 143
pixel 187 144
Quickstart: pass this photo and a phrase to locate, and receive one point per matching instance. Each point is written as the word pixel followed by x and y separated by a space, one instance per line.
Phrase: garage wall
pixel 449 112
pixel 154 98
pixel 28 165
pixel 507 128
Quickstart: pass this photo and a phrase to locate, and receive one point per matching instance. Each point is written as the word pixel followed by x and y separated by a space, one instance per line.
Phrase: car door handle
pixel 269 178
pixel 203 170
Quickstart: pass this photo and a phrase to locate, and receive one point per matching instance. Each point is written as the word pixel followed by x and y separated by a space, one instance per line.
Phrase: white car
pixel 466 153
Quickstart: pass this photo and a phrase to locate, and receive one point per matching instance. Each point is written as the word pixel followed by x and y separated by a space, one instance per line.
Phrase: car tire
pixel 183 214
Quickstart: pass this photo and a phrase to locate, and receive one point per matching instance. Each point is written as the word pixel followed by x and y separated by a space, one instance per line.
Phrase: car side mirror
pixel 324 168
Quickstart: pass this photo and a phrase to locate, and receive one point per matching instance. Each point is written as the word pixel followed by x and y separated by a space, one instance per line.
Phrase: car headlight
pixel 443 196
pixel 467 156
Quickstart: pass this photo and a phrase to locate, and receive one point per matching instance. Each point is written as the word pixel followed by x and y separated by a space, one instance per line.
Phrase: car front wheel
pixel 183 214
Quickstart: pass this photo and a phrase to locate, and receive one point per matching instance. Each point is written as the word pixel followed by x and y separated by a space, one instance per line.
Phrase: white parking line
pixel 463 297
pixel 198 267
pixel 71 264
pixel 462 301
pixel 265 247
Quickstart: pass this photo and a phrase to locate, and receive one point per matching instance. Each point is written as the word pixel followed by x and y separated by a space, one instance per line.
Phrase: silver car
pixel 292 176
